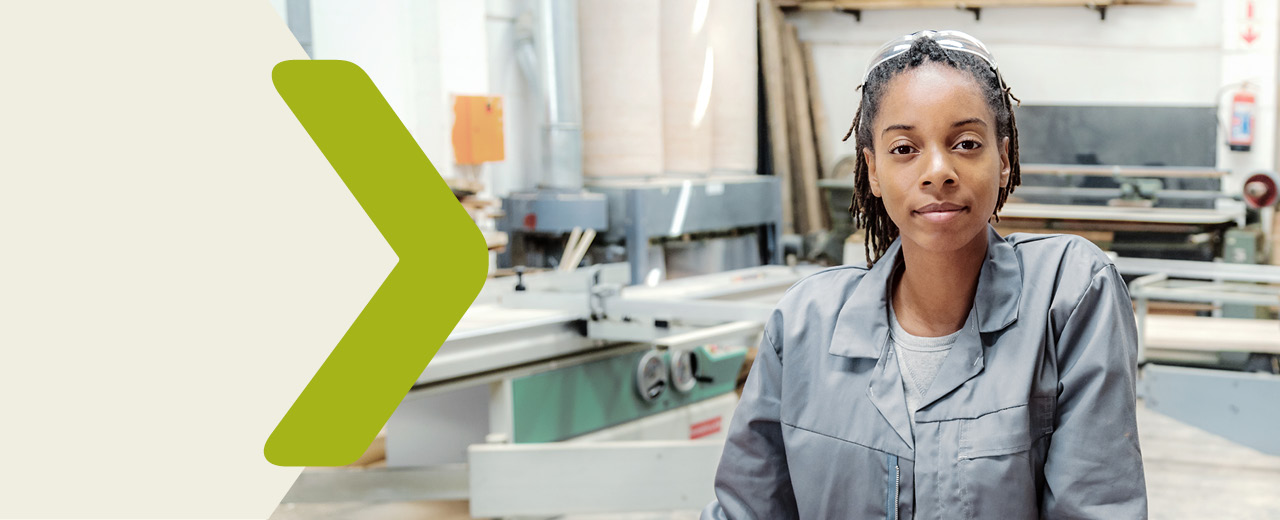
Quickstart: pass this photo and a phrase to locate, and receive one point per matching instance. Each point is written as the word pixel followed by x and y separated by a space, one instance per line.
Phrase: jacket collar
pixel 862 327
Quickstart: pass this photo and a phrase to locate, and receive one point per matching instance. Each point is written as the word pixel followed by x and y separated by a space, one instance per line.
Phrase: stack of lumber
pixel 482 209
pixel 796 119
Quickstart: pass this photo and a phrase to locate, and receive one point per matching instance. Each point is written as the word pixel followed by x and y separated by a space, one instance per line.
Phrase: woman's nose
pixel 938 171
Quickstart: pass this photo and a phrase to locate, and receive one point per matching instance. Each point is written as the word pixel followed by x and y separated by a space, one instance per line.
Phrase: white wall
pixel 420 53
pixel 1255 63
pixel 396 42
pixel 522 115
pixel 1152 56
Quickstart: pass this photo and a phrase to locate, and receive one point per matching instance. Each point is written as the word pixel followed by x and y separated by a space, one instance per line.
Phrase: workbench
pixel 1238 405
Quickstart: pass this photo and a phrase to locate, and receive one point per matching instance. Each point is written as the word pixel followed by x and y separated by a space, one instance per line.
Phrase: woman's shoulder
pixel 1040 252
pixel 1060 269
pixel 812 304
pixel 819 294
pixel 832 283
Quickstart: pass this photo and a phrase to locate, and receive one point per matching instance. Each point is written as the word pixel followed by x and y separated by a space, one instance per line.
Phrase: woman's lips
pixel 940 212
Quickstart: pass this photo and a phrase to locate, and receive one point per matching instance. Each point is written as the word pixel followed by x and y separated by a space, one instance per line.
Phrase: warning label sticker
pixel 702 429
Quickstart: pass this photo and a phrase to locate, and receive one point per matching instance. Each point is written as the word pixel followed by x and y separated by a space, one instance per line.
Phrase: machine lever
pixel 693 366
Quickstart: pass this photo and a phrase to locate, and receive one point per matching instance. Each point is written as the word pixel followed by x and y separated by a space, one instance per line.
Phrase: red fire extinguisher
pixel 1241 137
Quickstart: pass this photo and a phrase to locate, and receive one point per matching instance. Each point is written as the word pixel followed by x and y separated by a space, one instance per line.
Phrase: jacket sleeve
pixel 1094 465
pixel 752 480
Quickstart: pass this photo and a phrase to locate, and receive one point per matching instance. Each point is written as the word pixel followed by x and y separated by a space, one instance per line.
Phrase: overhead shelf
pixel 855 7
pixel 1186 216
pixel 1123 171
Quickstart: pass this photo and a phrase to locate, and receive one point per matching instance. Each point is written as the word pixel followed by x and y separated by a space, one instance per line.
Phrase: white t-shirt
pixel 918 359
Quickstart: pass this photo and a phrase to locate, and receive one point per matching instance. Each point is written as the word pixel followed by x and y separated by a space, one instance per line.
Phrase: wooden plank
pixel 1024 210
pixel 1092 236
pixel 1212 334
pixel 804 163
pixel 1178 308
pixel 1275 237
pixel 821 127
pixel 775 104
pixel 495 239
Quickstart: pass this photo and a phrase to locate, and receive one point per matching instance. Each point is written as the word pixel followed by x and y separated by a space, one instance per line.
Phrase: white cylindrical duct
pixel 688 79
pixel 734 95
pixel 558 35
pixel 621 88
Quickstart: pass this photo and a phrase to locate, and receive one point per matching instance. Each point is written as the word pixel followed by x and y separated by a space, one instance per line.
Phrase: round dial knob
pixel 651 376
pixel 683 371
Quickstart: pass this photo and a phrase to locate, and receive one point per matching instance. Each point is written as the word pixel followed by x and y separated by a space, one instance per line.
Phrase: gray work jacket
pixel 1032 414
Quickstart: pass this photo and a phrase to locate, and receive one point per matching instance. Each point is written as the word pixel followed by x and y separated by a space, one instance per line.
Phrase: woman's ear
pixel 872 179
pixel 1005 167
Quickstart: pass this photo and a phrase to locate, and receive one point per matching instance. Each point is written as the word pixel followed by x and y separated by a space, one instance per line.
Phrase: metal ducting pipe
pixel 560 77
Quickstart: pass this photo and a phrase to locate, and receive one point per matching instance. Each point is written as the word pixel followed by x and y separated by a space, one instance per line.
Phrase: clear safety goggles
pixel 950 40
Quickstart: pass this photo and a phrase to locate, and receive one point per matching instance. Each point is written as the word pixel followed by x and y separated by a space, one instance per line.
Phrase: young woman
pixel 963 374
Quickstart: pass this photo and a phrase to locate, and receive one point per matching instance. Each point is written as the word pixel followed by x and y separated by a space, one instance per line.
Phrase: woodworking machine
pixel 565 392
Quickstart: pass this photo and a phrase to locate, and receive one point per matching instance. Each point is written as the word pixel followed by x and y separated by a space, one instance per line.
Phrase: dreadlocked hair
pixel 868 210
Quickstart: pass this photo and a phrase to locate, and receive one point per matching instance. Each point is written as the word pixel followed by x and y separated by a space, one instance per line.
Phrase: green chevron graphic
pixel 442 265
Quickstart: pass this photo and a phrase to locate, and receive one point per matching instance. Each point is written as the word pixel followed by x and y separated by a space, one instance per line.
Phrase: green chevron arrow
pixel 442 265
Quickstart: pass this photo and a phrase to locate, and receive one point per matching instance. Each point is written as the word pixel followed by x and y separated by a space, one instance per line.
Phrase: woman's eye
pixel 969 144
pixel 901 149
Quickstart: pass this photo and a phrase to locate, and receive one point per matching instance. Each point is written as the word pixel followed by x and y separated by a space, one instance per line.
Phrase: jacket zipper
pixel 891 502
pixel 897 488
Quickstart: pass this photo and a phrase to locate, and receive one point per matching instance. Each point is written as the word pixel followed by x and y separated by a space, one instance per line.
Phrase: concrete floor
pixel 1191 474
pixel 433 511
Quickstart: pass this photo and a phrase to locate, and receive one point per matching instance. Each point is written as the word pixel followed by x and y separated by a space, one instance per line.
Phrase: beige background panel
pixel 733 100
pixel 178 259
pixel 621 88
pixel 688 80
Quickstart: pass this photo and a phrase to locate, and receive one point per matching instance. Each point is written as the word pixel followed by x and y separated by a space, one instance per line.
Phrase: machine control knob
pixel 684 370
pixel 651 376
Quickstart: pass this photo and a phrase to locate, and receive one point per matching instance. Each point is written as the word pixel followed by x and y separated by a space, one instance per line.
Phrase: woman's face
pixel 936 162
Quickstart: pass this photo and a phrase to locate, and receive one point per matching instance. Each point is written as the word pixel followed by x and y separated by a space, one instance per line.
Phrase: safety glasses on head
pixel 950 40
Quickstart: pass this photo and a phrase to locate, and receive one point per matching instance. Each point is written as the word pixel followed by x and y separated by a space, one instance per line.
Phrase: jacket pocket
pixel 1007 431
pixel 998 467
pixel 836 478
pixel 1002 432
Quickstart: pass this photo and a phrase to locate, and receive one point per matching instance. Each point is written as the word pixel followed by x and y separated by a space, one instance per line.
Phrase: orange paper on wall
pixel 477 129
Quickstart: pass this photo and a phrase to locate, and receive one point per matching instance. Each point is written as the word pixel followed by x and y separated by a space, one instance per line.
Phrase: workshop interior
pixel 650 177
